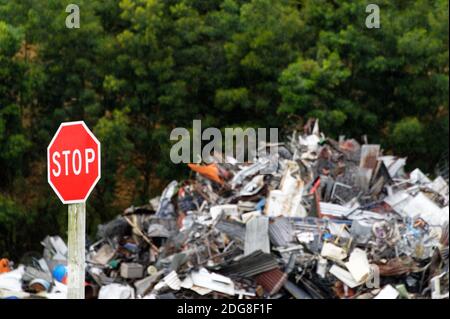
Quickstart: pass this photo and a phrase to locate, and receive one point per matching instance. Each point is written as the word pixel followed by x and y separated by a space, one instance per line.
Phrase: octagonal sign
pixel 73 162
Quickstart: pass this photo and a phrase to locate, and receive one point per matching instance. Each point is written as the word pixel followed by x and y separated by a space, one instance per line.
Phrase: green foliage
pixel 113 131
pixel 309 84
pixel 232 99
pixel 14 226
pixel 375 77
pixel 8 212
pixel 9 40
pixel 13 142
pixel 138 68
pixel 407 134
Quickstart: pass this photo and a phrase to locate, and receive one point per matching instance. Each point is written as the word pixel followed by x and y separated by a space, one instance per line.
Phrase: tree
pixel 13 142
pixel 136 69
pixel 373 81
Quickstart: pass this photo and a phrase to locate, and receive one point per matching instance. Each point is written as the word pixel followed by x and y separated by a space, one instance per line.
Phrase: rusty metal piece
pixel 272 280
pixel 398 266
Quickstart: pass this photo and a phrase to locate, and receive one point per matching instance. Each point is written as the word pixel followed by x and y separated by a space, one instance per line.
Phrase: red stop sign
pixel 73 162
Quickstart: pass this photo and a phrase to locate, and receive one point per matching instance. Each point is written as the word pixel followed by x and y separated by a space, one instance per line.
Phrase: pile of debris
pixel 316 219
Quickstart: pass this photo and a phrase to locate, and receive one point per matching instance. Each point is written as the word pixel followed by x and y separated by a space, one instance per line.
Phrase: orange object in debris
pixel 4 265
pixel 209 171
pixel 315 187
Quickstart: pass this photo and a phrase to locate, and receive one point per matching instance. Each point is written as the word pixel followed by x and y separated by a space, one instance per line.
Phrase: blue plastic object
pixel 59 272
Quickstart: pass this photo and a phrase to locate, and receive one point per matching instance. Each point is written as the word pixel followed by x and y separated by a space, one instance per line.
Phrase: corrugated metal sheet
pixel 281 232
pixel 272 281
pixel 233 229
pixel 334 209
pixel 172 280
pixel 251 265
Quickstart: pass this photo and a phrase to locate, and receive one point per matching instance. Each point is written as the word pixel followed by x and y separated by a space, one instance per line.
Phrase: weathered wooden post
pixel 76 246
pixel 73 169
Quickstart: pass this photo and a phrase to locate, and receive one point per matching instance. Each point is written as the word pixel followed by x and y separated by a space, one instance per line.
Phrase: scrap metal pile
pixel 316 219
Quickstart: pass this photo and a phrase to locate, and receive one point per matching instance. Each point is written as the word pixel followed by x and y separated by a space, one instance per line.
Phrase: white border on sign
pixel 99 161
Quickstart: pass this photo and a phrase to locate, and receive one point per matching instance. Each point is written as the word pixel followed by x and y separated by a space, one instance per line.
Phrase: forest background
pixel 135 69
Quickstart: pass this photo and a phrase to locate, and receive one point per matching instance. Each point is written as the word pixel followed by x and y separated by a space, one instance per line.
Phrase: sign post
pixel 73 170
pixel 76 247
